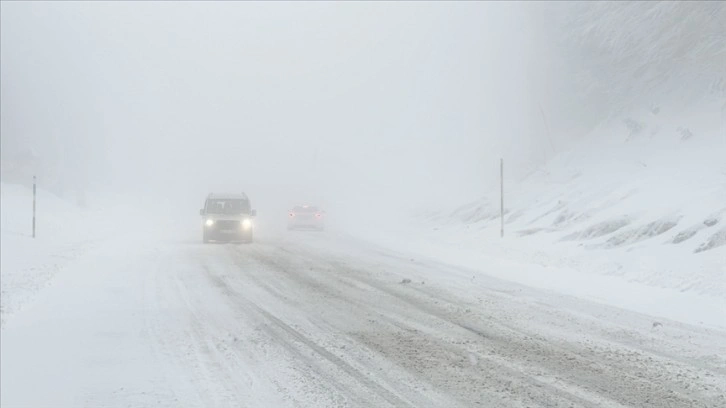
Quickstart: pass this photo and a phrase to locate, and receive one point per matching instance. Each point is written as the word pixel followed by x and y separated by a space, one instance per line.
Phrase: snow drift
pixel 66 231
pixel 645 206
pixel 634 219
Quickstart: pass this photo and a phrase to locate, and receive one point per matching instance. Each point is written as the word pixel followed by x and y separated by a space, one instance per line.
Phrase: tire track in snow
pixel 598 377
pixel 554 393
pixel 194 333
pixel 290 333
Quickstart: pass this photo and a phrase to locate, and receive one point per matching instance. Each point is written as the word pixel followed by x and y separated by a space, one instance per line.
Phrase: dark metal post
pixel 501 181
pixel 34 182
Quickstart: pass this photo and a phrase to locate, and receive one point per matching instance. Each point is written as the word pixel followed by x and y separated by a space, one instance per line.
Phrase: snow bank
pixel 633 216
pixel 64 232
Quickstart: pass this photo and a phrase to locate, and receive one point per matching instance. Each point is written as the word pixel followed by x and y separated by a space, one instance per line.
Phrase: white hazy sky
pixel 403 101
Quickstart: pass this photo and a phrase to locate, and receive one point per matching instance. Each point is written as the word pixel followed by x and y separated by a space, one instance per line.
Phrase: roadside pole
pixel 501 183
pixel 34 194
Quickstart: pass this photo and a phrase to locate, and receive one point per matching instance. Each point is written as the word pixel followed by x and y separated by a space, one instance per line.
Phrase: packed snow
pixel 152 317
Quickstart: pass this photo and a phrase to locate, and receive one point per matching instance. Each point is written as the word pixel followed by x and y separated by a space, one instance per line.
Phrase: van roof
pixel 227 196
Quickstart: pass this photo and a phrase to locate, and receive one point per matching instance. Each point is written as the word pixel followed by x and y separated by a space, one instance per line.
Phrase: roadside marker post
pixel 34 195
pixel 501 183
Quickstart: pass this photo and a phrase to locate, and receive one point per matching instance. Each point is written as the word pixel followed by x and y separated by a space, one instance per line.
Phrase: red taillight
pixel 292 214
pixel 318 215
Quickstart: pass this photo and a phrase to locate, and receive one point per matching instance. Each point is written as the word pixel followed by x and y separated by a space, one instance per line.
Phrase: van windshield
pixel 227 206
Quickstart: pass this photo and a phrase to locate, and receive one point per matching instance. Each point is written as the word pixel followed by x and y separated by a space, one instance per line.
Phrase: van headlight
pixel 246 224
pixel 209 222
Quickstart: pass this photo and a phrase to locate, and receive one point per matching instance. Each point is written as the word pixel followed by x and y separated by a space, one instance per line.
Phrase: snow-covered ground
pixel 67 230
pixel 633 216
pixel 603 292
pixel 321 320
pixel 27 265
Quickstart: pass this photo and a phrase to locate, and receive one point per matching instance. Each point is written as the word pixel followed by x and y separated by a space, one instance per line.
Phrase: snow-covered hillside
pixel 622 186
pixel 633 215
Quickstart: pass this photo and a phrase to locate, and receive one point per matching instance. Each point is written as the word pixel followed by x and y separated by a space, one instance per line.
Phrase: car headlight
pixel 209 222
pixel 246 224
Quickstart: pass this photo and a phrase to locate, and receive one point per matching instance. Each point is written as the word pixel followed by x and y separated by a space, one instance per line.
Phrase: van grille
pixel 227 224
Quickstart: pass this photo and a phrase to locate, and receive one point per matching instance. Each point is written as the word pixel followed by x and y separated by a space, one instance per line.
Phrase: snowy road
pixel 319 320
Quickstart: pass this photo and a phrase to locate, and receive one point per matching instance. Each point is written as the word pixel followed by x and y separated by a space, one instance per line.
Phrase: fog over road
pixel 593 133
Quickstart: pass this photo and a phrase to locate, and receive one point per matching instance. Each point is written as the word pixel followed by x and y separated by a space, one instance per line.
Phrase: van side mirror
pixel 201 212
pixel 253 213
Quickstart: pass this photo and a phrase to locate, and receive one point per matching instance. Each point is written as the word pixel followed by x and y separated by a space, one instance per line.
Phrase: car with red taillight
pixel 306 217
